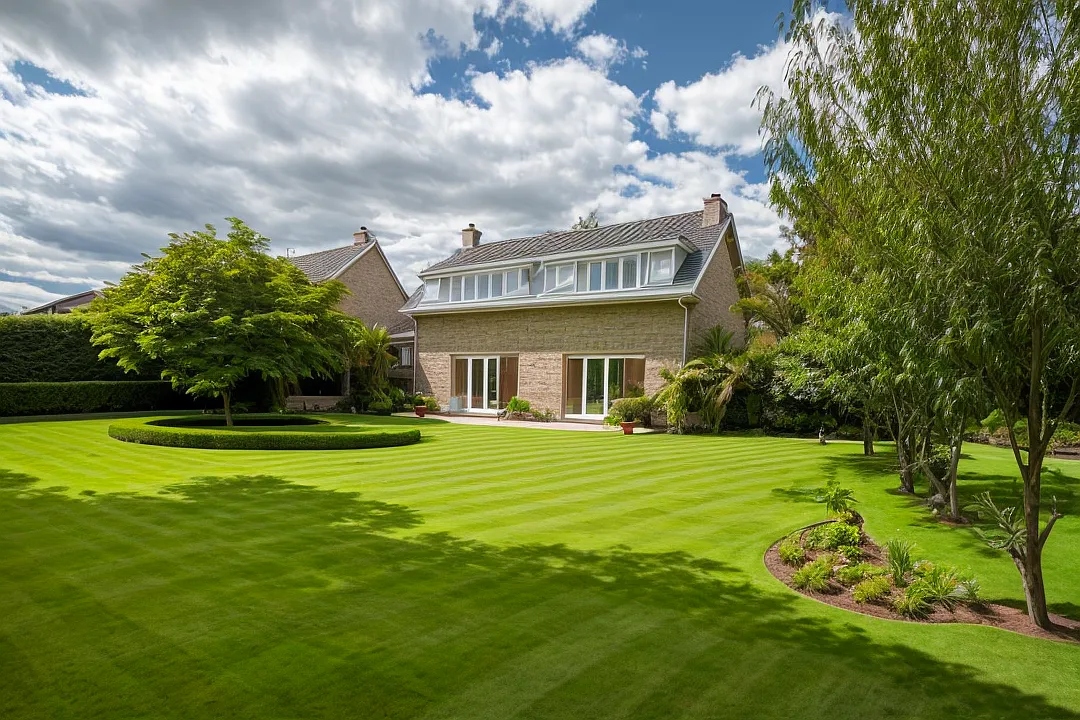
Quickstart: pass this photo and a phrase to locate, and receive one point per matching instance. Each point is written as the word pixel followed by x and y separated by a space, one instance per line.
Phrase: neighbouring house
pixel 573 320
pixel 64 304
pixel 375 297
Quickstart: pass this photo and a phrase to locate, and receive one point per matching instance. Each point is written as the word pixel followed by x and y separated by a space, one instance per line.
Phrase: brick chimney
pixel 470 236
pixel 361 236
pixel 715 210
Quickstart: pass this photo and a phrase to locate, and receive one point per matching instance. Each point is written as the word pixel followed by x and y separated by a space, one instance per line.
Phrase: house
pixel 573 320
pixel 64 304
pixel 375 295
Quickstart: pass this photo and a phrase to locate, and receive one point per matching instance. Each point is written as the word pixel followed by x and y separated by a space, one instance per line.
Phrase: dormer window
pixel 559 278
pixel 661 266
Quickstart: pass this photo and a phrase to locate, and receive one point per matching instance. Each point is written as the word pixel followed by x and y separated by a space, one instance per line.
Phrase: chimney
pixel 470 236
pixel 361 236
pixel 715 210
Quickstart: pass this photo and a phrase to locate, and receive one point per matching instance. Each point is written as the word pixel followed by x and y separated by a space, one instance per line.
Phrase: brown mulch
pixel 1000 616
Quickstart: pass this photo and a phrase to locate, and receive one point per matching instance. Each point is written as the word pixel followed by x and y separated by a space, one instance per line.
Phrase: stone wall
pixel 374 294
pixel 718 293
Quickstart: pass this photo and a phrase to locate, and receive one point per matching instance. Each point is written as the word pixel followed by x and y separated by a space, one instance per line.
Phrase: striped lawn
pixel 486 572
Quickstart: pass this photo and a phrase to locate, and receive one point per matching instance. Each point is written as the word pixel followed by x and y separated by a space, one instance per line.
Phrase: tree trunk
pixel 907 477
pixel 867 436
pixel 228 408
pixel 954 464
pixel 1032 574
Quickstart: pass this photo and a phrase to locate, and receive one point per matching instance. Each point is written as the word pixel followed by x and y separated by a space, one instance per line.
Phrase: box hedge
pixel 53 348
pixel 54 398
pixel 147 432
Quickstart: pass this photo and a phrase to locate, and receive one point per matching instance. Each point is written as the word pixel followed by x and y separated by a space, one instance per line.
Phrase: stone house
pixel 573 320
pixel 375 297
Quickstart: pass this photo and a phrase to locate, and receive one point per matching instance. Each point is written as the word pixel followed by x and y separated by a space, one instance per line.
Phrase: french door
pixel 476 382
pixel 593 383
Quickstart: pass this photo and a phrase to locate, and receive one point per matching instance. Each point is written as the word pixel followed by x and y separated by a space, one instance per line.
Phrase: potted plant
pixel 628 411
pixel 420 410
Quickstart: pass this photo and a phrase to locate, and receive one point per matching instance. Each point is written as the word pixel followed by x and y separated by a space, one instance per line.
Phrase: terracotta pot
pixel 627 427
pixel 420 410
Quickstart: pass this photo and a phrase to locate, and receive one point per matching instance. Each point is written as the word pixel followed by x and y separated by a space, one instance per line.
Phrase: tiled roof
pixel 323 265
pixel 687 225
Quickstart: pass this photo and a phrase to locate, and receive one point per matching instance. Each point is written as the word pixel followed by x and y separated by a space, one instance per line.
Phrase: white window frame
pixel 405 356
pixel 585 380
pixel 666 280
pixel 469 382
pixel 553 271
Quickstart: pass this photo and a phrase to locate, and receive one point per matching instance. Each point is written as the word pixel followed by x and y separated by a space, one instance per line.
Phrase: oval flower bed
pixel 260 432
pixel 836 563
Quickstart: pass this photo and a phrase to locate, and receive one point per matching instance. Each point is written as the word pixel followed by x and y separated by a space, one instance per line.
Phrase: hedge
pixel 148 432
pixel 54 398
pixel 52 348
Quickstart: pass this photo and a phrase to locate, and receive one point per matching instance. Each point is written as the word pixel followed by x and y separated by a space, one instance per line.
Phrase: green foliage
pixel 1009 535
pixel 213 311
pixel 851 574
pixel 791 550
pixel 51 348
pixel 543 415
pixel 832 535
pixel 151 432
pixel 47 398
pixel 939 585
pixel 914 601
pixel 714 341
pixel 518 406
pixel 851 553
pixel 768 298
pixel 431 403
pixel 704 385
pixel 381 406
pixel 872 589
pixel 632 409
pixel 814 575
pixel 838 500
pixel 899 559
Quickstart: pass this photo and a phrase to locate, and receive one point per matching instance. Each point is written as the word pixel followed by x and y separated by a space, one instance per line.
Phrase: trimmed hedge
pixel 52 348
pixel 57 398
pixel 148 432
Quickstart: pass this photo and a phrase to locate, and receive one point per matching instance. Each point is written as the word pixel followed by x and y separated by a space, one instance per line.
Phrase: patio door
pixel 483 390
pixel 594 383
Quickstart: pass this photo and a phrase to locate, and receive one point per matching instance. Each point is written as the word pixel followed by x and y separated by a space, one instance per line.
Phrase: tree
pixel 769 297
pixel 588 222
pixel 213 311
pixel 933 147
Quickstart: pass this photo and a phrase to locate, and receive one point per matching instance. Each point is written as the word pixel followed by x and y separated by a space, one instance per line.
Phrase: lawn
pixel 484 573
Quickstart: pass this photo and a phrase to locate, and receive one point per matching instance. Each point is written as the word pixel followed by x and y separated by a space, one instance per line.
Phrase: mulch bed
pixel 1000 616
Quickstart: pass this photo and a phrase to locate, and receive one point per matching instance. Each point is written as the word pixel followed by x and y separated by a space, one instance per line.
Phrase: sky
pixel 124 120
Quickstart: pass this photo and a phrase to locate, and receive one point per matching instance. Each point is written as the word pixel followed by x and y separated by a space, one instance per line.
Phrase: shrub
pixel 631 409
pixel 872 589
pixel 832 535
pixel 218 438
pixel 914 601
pixel 814 575
pixel 54 398
pixel 837 499
pixel 542 415
pixel 427 401
pixel 851 574
pixel 518 406
pixel 851 553
pixel 790 551
pixel 969 591
pixel 941 586
pixel 51 348
pixel 900 562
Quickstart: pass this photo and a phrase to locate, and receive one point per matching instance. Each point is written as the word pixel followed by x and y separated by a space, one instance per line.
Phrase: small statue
pixel 821 435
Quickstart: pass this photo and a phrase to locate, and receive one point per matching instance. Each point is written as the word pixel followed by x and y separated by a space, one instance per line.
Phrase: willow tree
pixel 211 311
pixel 932 147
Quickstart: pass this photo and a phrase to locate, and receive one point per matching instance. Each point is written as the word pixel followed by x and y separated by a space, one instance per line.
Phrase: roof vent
pixel 470 236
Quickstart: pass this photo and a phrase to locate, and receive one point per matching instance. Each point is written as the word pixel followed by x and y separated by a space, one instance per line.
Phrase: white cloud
pixel 308 128
pixel 661 123
pixel 16 296
pixel 717 109
pixel 493 48
pixel 602 51
pixel 561 15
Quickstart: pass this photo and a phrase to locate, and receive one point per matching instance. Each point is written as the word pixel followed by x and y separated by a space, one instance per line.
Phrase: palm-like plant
pixel 706 384
pixel 371 356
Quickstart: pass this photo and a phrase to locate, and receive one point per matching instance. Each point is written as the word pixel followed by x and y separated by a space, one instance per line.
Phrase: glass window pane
pixel 634 377
pixel 511 281
pixel 470 287
pixel 629 272
pixel 431 290
pixel 611 275
pixel 455 291
pixel 582 276
pixel 476 401
pixel 496 285
pixel 444 290
pixel 492 396
pixel 525 279
pixel 594 386
pixel 482 287
pixel 460 397
pixel 596 271
pixel 660 266
pixel 614 380
pixel 566 274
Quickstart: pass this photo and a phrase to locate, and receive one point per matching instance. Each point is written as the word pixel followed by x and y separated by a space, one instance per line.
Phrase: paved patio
pixel 555 425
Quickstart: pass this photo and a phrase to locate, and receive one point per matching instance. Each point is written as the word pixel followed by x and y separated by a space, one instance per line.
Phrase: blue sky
pixel 413 117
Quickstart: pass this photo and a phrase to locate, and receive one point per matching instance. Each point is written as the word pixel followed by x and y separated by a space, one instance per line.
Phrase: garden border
pixel 143 431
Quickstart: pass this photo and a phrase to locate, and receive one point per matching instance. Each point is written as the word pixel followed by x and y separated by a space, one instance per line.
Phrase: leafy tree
pixel 212 311
pixel 932 150
pixel 769 297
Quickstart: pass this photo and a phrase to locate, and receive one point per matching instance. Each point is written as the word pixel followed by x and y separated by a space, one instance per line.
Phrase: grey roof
pixel 65 304
pixel 687 225
pixel 323 265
